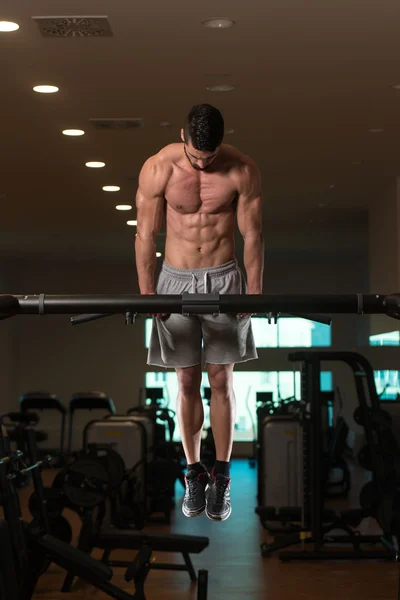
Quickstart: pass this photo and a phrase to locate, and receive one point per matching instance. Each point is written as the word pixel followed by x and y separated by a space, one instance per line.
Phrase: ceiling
pixel 311 79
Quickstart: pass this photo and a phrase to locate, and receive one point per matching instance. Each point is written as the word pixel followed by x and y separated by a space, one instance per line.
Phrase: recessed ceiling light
pixel 132 223
pixel 164 124
pixel 376 130
pixel 95 164
pixel 46 89
pixel 124 207
pixel 229 131
pixel 73 132
pixel 396 86
pixel 111 188
pixel 331 186
pixel 218 23
pixel 158 254
pixel 6 26
pixel 224 87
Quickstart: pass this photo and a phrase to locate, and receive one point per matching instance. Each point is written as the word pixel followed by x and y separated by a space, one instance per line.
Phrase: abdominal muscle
pixel 200 240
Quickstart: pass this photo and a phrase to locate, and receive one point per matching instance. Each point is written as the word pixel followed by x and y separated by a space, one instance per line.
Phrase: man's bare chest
pixel 200 192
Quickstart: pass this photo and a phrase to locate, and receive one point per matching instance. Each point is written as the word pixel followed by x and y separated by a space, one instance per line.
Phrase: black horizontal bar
pixel 227 303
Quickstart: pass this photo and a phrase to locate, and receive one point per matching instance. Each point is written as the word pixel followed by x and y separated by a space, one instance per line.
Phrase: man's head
pixel 202 135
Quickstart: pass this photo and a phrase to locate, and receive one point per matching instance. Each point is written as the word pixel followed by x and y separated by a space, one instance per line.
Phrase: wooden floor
pixel 234 562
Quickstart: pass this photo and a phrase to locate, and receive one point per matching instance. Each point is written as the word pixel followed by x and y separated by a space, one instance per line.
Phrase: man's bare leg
pixel 190 414
pixel 222 409
pixel 222 416
pixel 190 411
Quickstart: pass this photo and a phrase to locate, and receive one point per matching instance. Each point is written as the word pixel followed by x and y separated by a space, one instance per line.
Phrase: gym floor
pixel 236 569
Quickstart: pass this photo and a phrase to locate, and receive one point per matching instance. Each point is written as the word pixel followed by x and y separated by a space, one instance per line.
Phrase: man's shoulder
pixel 168 154
pixel 241 163
pixel 161 163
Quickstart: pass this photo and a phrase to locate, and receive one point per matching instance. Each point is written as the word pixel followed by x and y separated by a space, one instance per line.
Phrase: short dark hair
pixel 204 127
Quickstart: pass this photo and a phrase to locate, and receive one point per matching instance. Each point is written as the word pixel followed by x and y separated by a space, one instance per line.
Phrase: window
pixel 391 338
pixel 282 384
pixel 387 384
pixel 289 332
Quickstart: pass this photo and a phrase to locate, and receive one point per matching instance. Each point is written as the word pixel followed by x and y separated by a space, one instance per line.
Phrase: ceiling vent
pixel 117 123
pixel 74 26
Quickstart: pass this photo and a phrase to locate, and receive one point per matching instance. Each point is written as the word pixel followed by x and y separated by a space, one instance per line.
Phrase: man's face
pixel 200 160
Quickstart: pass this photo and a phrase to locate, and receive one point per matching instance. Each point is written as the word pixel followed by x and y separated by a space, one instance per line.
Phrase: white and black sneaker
pixel 194 501
pixel 218 497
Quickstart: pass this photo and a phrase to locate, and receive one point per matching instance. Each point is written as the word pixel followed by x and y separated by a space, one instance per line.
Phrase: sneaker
pixel 194 501
pixel 218 497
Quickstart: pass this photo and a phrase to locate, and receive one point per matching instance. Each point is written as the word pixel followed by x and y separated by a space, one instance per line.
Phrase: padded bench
pixel 121 539
pixel 109 539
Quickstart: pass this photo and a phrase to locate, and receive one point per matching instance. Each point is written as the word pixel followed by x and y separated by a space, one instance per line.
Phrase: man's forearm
pixel 146 264
pixel 253 257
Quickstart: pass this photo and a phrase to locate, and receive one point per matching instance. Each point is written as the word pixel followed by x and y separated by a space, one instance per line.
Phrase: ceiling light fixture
pixel 7 26
pixel 124 207
pixel 95 164
pixel 73 132
pixel 218 23
pixel 158 254
pixel 111 188
pixel 46 89
pixel 376 130
pixel 224 87
pixel 229 131
pixel 132 223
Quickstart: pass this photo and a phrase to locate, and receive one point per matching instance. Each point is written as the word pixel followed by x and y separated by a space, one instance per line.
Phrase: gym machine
pixel 33 548
pixel 317 522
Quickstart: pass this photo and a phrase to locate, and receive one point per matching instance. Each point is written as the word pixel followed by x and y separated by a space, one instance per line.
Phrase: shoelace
pixel 220 489
pixel 191 489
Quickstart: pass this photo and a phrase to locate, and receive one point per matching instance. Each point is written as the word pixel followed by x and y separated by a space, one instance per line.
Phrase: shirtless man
pixel 201 186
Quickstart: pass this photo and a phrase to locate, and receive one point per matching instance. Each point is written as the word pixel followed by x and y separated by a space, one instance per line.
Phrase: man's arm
pixel 249 219
pixel 150 202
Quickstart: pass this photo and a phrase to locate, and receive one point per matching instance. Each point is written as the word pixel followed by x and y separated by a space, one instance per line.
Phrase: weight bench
pixel 98 574
pixel 109 539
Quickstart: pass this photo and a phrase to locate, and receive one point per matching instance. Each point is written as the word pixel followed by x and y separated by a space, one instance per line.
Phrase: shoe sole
pixel 219 517
pixel 196 514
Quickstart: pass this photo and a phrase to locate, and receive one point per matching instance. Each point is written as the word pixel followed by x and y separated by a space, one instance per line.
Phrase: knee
pixel 189 383
pixel 220 381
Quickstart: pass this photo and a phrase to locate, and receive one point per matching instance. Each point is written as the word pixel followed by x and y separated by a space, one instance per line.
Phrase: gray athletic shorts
pixel 177 340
